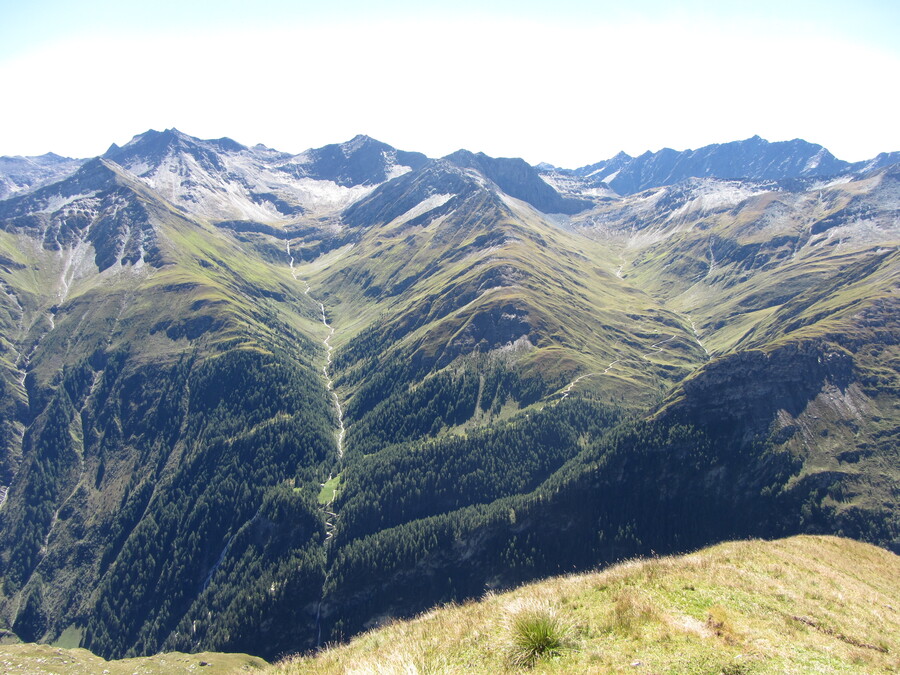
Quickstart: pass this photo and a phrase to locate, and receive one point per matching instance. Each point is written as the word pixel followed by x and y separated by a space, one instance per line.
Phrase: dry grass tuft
pixel 718 621
pixel 631 610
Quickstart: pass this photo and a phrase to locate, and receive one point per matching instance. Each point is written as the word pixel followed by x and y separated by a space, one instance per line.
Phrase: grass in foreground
pixel 33 659
pixel 799 605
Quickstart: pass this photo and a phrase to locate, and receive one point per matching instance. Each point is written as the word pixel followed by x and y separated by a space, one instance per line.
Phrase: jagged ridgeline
pixel 254 401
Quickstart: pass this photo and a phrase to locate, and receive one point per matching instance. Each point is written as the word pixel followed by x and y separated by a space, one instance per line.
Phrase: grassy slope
pixel 816 265
pixel 743 288
pixel 205 274
pixel 440 276
pixel 798 605
pixel 777 263
pixel 39 659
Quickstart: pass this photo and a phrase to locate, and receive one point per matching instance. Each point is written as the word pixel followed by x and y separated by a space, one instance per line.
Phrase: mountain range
pixel 255 401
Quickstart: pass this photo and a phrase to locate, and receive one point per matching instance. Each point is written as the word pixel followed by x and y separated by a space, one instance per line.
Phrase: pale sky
pixel 569 82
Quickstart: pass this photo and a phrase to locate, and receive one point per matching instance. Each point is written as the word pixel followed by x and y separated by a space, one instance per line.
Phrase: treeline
pixel 402 393
pixel 393 408
pixel 636 490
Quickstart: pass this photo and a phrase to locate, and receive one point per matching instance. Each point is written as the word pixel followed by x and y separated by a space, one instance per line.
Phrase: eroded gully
pixel 330 516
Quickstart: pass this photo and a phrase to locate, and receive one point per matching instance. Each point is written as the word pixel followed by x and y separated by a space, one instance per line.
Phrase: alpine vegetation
pixel 263 402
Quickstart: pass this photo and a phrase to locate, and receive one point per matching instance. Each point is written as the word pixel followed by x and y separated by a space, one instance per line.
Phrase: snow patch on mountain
pixel 248 185
pixel 814 161
pixel 185 182
pixel 557 181
pixel 611 177
pixel 58 201
pixel 839 180
pixel 224 180
pixel 426 205
pixel 397 170
pixel 319 195
pixel 572 186
pixel 711 195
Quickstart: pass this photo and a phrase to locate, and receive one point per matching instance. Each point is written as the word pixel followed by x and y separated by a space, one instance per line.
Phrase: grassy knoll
pixel 799 605
pixel 40 659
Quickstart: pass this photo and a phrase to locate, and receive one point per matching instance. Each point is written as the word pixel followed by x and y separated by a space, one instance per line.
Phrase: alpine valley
pixel 258 402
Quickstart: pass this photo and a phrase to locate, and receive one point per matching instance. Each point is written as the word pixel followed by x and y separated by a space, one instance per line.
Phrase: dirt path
pixel 655 348
pixel 568 389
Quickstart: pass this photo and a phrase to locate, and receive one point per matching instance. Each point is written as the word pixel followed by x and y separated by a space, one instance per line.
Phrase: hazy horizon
pixel 570 84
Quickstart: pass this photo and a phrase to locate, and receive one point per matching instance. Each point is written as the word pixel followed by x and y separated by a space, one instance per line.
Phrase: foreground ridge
pixel 803 604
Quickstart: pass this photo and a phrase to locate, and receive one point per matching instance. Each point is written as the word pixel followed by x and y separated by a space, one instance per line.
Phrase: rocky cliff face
pixel 744 393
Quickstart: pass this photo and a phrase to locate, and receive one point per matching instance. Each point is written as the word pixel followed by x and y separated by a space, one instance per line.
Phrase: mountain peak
pixel 752 158
pixel 362 160
pixel 151 142
pixel 363 143
pixel 154 142
pixel 53 157
pixel 145 153
pixel 362 139
pixel 518 179
pixel 463 156
pixel 167 134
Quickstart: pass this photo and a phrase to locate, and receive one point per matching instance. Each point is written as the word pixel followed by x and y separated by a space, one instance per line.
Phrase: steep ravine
pixel 329 382
pixel 330 516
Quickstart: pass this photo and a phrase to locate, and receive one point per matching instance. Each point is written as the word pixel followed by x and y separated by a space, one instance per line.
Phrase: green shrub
pixel 535 631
